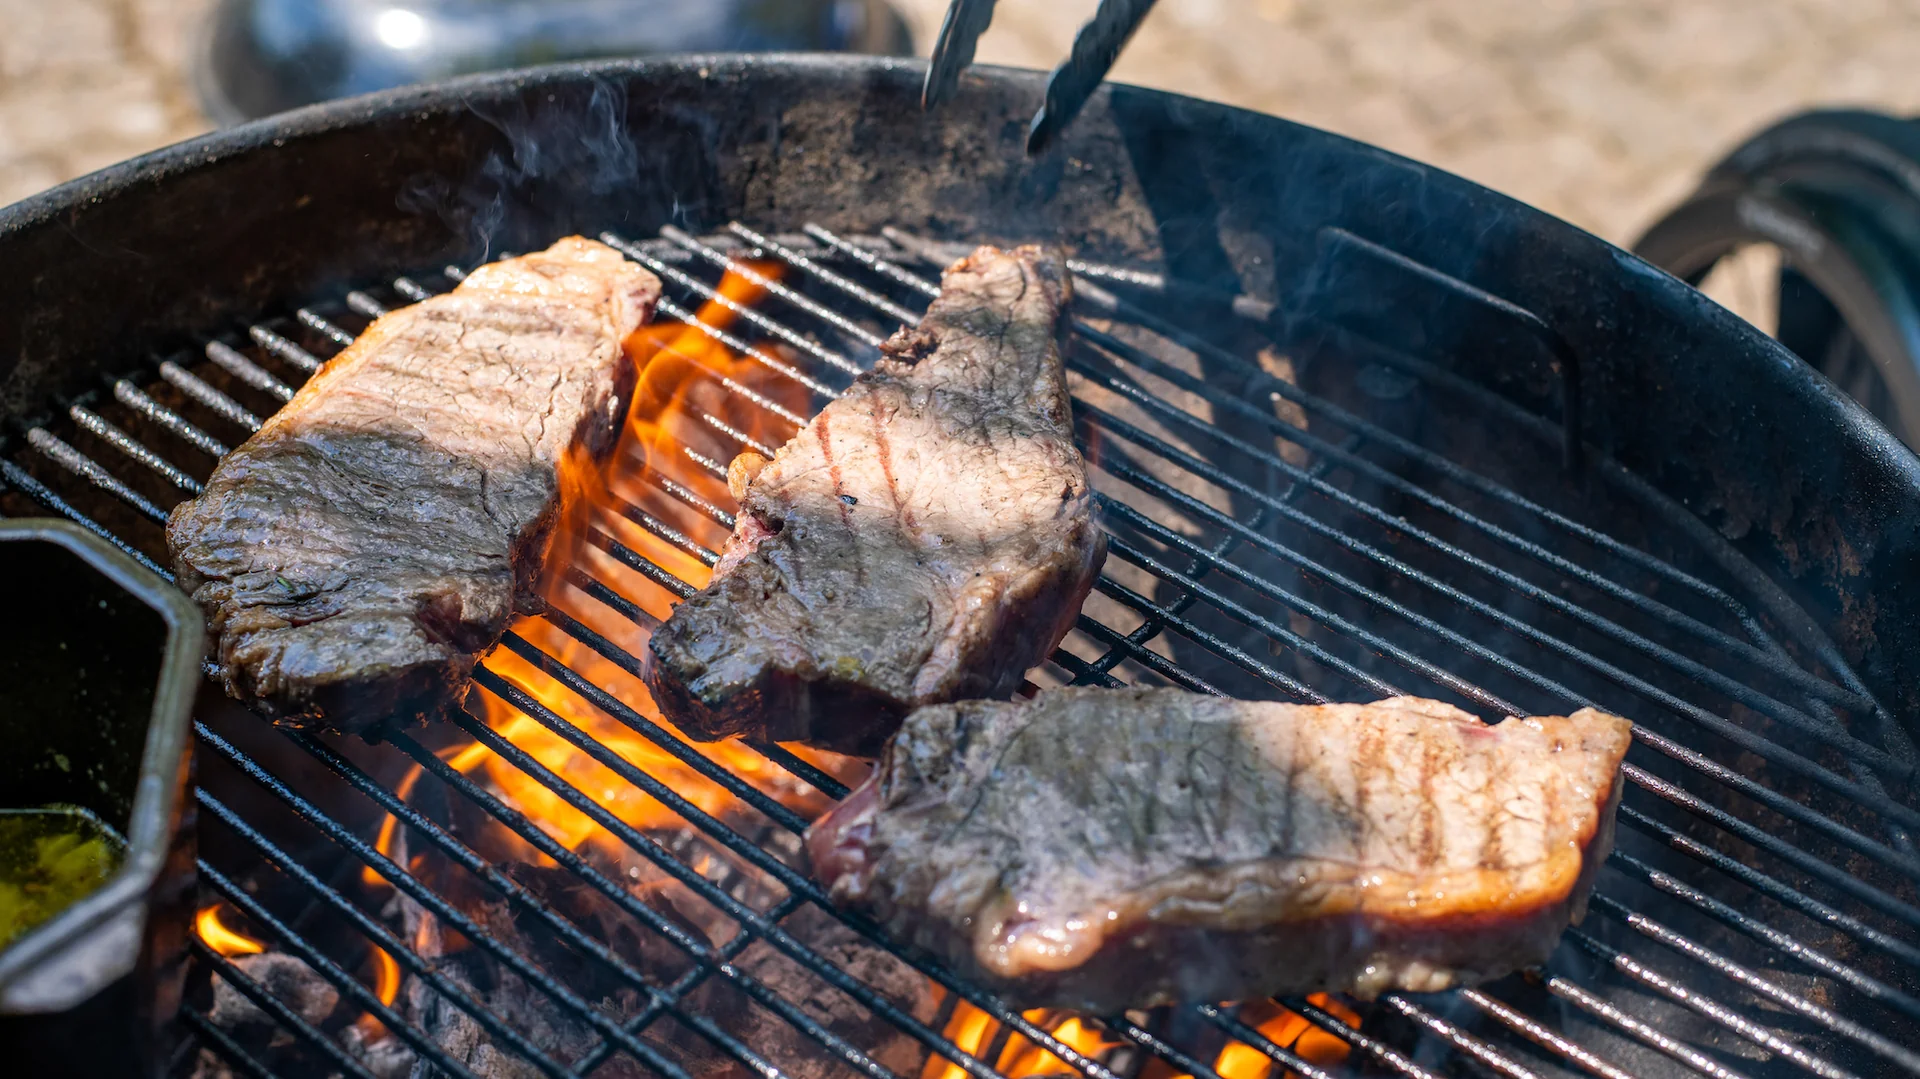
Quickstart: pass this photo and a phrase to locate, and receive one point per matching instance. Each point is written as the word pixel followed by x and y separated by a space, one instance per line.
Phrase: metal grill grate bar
pixel 1640 1031
pixel 406 957
pixel 1760 986
pixel 1459 1039
pixel 348 986
pixel 662 1001
pixel 228 1050
pixel 1707 1006
pixel 1539 1034
pixel 1160 571
pixel 1868 796
pixel 1210 570
pixel 273 1006
pixel 131 396
pixel 1800 720
pixel 1350 459
pixel 127 444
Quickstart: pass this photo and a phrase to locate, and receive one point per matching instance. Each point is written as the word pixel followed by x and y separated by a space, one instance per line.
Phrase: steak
pixel 1108 849
pixel 382 528
pixel 929 536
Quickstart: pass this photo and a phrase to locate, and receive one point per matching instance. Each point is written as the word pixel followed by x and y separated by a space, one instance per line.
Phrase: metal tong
pixel 1095 48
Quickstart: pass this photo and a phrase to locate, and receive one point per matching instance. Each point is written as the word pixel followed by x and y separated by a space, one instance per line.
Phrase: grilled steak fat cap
pixel 1108 849
pixel 929 536
pixel 382 527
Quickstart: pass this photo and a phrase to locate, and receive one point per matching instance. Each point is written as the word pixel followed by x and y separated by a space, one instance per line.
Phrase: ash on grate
pixel 292 982
pixel 548 1025
pixel 570 1038
pixel 798 1054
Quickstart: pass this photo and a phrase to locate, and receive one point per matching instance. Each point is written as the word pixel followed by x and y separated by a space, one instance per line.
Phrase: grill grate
pixel 1266 540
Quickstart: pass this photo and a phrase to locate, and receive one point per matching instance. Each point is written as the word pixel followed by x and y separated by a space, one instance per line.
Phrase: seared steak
pixel 928 537
pixel 380 530
pixel 1106 849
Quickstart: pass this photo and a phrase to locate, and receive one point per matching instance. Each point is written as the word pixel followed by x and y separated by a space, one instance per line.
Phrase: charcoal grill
pixel 1360 428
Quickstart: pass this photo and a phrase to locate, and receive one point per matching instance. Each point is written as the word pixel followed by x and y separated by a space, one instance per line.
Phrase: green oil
pixel 50 859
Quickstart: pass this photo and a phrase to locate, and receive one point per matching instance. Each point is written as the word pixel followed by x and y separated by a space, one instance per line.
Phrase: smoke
pixel 558 154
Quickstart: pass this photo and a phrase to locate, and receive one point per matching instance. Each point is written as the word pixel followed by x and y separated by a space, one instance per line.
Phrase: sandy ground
pixel 1603 112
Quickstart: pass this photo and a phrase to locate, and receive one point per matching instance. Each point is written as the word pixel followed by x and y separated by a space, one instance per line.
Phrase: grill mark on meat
pixel 1491 855
pixel 1194 848
pixel 1429 809
pixel 1552 814
pixel 1362 765
pixel 839 493
pixel 885 446
pixel 945 567
pixel 1288 795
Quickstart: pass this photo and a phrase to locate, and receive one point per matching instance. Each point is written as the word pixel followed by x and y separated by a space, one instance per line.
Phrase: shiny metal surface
pixel 257 57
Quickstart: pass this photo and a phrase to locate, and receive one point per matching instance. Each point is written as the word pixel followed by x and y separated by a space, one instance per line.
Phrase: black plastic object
pixel 99 663
pixel 258 57
pixel 1838 192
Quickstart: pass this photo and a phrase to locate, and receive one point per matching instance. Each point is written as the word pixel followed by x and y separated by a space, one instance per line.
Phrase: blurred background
pixel 1604 112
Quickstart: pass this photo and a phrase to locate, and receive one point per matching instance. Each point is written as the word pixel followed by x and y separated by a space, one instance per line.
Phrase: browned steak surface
pixel 1106 849
pixel 380 530
pixel 929 536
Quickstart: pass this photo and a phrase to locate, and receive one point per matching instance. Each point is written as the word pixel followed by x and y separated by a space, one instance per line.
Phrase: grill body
pixel 140 256
pixel 1456 332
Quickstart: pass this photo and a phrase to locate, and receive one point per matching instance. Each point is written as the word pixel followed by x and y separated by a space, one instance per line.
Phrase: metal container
pixel 258 57
pixel 98 670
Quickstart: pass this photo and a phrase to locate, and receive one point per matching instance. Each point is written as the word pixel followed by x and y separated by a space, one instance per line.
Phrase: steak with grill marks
pixel 1107 849
pixel 382 528
pixel 929 536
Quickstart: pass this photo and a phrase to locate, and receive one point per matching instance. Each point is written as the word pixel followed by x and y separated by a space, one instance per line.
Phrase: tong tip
pixel 960 33
pixel 1095 48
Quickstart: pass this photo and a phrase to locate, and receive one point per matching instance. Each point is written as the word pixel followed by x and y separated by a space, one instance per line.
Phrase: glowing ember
pixel 968 1030
pixel 689 397
pixel 975 1032
pixel 699 404
pixel 1022 1058
pixel 1289 1031
pixel 1278 1025
pixel 1317 1045
pixel 222 939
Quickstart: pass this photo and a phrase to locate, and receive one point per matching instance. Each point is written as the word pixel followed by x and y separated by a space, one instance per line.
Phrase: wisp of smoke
pixel 562 150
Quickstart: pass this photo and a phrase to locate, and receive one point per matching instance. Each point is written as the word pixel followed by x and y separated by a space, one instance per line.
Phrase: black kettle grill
pixel 1361 427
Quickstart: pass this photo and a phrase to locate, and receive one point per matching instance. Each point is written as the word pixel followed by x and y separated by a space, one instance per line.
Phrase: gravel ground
pixel 1603 111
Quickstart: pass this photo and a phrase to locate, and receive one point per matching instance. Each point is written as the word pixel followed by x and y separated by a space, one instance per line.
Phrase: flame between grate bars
pixel 1270 535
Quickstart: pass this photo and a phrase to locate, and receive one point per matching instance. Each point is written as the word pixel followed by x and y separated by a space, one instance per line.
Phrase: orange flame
pixel 386 987
pixel 968 1030
pixel 386 976
pixel 1289 1031
pixel 1023 1058
pixel 693 394
pixel 974 1032
pixel 1323 1048
pixel 384 843
pixel 222 939
pixel 696 405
